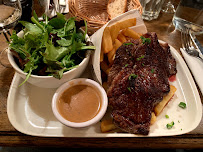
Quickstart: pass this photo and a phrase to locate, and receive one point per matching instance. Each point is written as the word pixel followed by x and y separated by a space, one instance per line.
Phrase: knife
pixel 196 42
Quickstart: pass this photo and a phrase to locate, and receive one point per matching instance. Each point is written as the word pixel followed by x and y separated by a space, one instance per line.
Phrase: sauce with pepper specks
pixel 79 103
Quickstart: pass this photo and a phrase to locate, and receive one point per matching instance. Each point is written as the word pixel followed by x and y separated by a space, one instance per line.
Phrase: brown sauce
pixel 79 103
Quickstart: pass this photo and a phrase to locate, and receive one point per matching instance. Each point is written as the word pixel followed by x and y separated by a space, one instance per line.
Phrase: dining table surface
pixel 9 136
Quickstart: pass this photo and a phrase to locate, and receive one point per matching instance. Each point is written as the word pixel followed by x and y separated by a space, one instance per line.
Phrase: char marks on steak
pixel 138 80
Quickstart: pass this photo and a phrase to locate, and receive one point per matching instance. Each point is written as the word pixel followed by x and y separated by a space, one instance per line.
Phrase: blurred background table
pixel 9 136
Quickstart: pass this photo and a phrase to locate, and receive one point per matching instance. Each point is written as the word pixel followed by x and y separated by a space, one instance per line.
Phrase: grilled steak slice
pixel 171 62
pixel 123 58
pixel 136 88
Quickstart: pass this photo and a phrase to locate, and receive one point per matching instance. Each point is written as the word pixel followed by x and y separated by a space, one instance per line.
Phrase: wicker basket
pixel 95 11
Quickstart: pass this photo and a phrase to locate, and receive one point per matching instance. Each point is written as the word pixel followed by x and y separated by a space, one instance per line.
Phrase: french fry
pixel 105 86
pixel 127 23
pixel 107 125
pixel 114 30
pixel 131 33
pixel 111 54
pixel 160 106
pixel 121 38
pixel 153 118
pixel 117 44
pixel 107 44
pixel 104 67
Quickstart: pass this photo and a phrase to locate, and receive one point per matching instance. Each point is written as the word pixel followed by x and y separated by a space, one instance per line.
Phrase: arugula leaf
pixel 56 53
pixel 35 16
pixel 37 23
pixel 70 24
pixel 65 41
pixel 31 28
pixel 57 23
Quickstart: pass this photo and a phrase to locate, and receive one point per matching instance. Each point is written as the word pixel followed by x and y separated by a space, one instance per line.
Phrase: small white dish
pixel 50 81
pixel 75 82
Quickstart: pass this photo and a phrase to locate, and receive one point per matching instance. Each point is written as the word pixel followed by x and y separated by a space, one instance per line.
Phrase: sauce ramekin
pixel 71 83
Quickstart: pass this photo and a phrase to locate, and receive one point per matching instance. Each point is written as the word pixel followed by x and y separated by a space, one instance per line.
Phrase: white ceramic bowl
pixel 50 81
pixel 80 81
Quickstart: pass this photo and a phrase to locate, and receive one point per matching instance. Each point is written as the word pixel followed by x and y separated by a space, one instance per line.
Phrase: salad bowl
pixel 49 80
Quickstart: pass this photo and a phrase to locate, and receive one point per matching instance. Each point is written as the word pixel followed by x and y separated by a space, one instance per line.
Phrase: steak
pixel 138 80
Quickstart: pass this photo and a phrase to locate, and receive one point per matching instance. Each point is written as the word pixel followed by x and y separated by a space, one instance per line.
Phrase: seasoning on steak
pixel 138 80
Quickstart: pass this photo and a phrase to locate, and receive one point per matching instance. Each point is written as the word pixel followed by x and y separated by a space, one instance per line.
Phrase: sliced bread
pixel 130 4
pixel 116 7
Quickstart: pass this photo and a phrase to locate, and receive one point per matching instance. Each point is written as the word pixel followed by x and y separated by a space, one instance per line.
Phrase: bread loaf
pixel 116 7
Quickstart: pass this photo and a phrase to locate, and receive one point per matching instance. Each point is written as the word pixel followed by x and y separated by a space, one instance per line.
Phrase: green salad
pixel 51 47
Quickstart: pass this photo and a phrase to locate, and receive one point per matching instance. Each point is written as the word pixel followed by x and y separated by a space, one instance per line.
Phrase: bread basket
pixel 95 11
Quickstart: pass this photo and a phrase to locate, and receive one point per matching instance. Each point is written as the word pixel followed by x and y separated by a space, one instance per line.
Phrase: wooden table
pixel 11 137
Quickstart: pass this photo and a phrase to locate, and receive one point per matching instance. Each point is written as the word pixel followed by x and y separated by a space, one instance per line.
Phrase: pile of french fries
pixel 113 37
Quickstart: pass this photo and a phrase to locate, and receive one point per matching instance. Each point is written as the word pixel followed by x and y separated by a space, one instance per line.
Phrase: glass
pixel 10 13
pixel 168 7
pixel 189 13
pixel 151 8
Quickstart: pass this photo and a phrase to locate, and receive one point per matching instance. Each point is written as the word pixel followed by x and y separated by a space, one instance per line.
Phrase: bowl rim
pixel 17 68
pixel 74 82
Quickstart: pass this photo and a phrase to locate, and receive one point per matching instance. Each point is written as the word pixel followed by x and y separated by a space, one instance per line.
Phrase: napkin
pixel 96 38
pixel 196 67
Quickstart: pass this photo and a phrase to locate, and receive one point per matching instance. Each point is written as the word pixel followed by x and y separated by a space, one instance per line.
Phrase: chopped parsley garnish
pixel 128 43
pixel 138 59
pixel 170 125
pixel 126 65
pixel 145 40
pixel 182 105
pixel 129 89
pixel 152 71
pixel 132 76
pixel 167 116
pixel 143 64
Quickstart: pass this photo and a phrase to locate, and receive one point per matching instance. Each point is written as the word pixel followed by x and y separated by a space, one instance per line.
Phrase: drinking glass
pixel 151 8
pixel 168 7
pixel 10 13
pixel 189 13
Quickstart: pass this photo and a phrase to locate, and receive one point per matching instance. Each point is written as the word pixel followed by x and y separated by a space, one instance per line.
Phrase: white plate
pixel 29 110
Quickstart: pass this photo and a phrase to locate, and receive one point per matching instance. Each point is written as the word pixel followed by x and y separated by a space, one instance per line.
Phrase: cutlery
pixel 196 42
pixel 187 43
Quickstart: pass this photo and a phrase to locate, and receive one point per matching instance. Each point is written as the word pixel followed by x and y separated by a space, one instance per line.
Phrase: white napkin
pixel 196 67
pixel 96 38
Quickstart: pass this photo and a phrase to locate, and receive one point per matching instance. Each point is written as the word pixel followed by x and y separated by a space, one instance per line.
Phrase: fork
pixel 187 43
